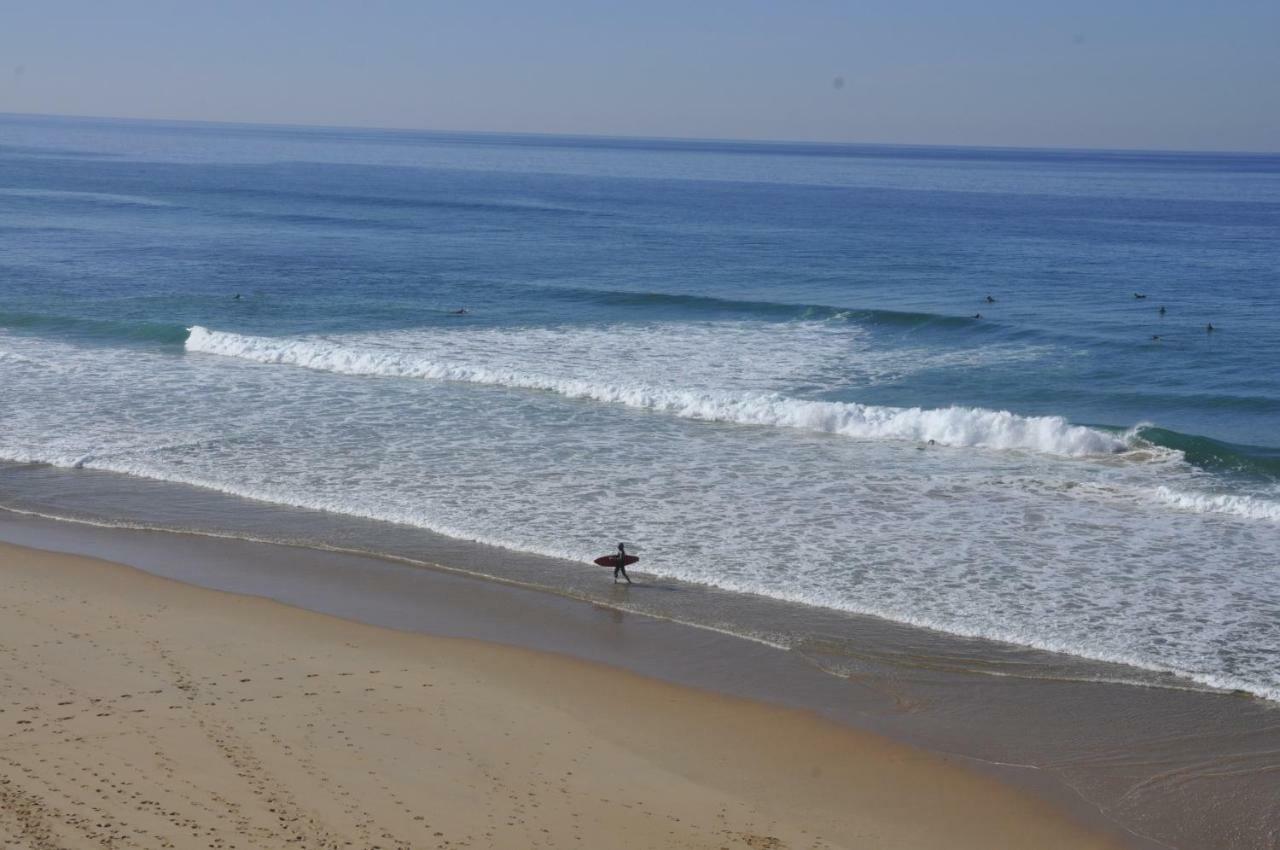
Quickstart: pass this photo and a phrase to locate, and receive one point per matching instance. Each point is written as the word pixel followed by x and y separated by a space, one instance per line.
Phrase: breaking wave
pixel 948 426
pixel 1248 507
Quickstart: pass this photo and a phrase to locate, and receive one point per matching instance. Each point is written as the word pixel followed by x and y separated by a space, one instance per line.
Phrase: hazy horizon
pixel 708 140
pixel 1102 76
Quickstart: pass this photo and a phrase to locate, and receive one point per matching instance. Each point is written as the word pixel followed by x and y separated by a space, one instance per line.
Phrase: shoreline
pixel 118 501
pixel 1082 747
pixel 266 712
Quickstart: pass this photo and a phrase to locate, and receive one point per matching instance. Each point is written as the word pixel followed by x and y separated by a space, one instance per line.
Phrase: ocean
pixel 968 390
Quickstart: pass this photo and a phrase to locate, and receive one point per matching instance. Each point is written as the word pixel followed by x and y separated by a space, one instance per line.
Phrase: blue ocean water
pixel 913 382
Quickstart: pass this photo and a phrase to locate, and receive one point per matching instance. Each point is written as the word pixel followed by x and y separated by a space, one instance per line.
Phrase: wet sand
pixel 143 712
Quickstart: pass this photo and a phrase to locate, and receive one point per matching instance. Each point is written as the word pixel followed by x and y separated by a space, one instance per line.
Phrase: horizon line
pixel 645 138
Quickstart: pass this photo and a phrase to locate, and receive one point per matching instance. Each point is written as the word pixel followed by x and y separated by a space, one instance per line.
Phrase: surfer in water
pixel 621 566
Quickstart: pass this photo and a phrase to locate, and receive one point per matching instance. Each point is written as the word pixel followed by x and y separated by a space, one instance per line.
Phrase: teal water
pixel 735 355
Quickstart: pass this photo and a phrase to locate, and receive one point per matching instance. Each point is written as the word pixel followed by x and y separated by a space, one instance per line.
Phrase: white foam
pixel 13 357
pixel 950 426
pixel 1246 506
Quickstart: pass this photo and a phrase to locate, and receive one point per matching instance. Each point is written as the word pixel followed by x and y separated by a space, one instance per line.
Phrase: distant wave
pixel 1215 455
pixel 1240 505
pixel 949 426
pixel 478 203
pixel 770 309
pixel 94 328
pixel 91 197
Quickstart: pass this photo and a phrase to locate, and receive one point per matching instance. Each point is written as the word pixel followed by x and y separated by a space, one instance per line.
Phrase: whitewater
pixel 953 426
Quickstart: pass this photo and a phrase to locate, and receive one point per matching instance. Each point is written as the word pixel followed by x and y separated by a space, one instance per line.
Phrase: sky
pixel 1119 74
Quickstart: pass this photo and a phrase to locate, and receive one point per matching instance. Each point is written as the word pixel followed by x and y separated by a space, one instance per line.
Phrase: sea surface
pixel 973 390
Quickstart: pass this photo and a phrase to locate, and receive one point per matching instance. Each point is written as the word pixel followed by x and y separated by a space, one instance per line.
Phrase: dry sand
pixel 140 712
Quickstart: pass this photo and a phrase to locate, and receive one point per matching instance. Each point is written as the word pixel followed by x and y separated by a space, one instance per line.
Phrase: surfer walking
pixel 620 565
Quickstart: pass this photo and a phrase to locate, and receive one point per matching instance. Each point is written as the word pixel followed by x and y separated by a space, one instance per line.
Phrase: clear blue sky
pixel 1183 75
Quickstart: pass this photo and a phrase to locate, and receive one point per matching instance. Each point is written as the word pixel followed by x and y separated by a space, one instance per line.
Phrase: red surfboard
pixel 612 560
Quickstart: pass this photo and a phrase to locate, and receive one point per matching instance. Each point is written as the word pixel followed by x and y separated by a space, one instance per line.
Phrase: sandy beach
pixel 142 712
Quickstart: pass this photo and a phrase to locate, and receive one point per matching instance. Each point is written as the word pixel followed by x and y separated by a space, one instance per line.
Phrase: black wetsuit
pixel 621 567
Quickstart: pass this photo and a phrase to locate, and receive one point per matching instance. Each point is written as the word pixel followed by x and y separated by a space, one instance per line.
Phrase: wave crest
pixel 1248 507
pixel 949 426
